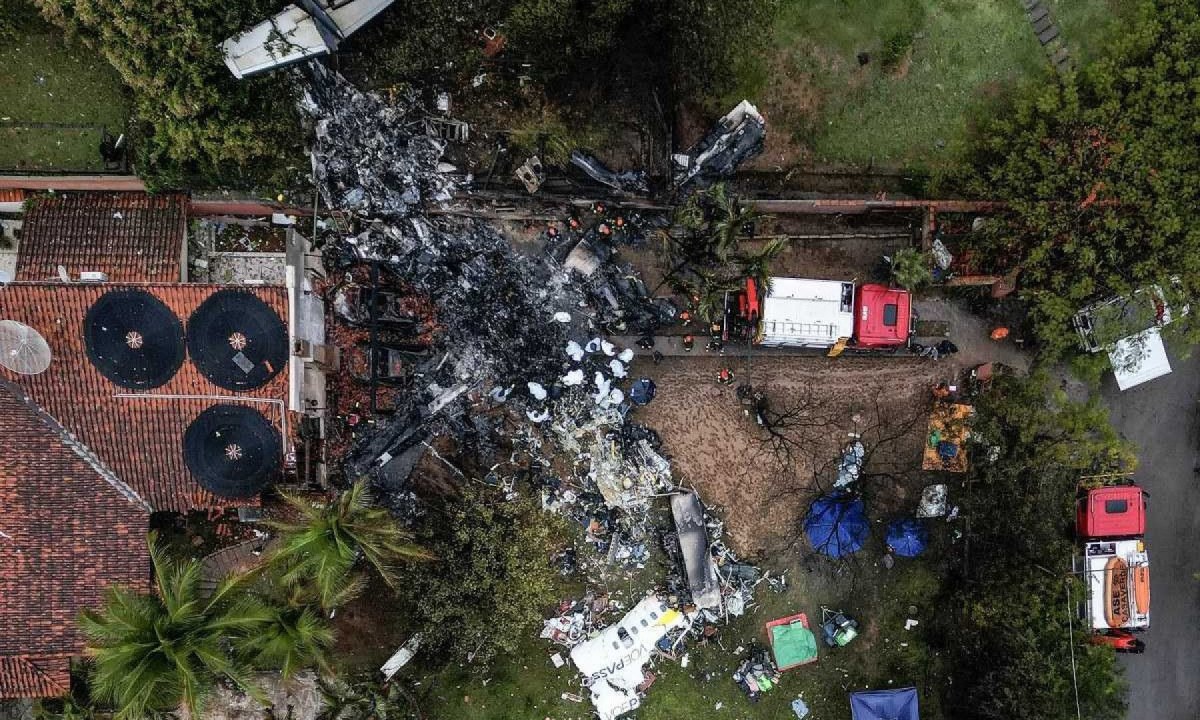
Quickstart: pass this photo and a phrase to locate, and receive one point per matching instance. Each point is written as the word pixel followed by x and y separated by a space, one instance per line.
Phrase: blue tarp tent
pixel 642 391
pixel 900 704
pixel 836 525
pixel 907 537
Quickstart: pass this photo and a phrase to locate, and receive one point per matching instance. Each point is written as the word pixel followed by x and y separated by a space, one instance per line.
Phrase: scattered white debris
pixel 557 660
pixel 537 391
pixel 562 317
pixel 617 368
pixel 608 348
pixel 593 345
pixel 574 351
pixel 909 624
pixel 573 378
pixel 538 417
pixel 626 356
pixel 401 657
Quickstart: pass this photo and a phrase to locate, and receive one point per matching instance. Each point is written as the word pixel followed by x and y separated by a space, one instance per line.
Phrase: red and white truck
pixel 798 312
pixel 1110 522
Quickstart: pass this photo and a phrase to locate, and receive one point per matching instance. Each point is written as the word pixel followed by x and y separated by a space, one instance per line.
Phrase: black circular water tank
pixel 133 339
pixel 236 340
pixel 232 450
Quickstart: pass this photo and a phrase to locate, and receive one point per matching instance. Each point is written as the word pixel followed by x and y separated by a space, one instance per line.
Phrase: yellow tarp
pixel 949 422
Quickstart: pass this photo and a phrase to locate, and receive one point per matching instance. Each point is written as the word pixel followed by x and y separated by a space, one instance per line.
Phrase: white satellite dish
pixel 23 349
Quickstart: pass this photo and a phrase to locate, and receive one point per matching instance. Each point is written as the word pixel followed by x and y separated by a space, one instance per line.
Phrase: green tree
pixel 494 578
pixel 704 254
pixel 157 653
pixel 910 269
pixel 191 116
pixel 1102 173
pixel 318 553
pixel 294 637
pixel 1006 629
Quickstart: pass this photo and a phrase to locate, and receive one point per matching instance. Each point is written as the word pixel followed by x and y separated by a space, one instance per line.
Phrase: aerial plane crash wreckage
pixel 520 371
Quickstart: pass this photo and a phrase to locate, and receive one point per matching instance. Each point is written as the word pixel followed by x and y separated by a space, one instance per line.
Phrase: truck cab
pixel 882 317
pixel 1116 511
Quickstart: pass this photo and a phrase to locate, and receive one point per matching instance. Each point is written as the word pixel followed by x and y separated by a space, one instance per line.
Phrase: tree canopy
pixel 1006 627
pixel 317 554
pixel 155 653
pixel 190 115
pixel 1102 171
pixel 493 579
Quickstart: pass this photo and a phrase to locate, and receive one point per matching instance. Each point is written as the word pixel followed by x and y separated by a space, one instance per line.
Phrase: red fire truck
pixel 797 312
pixel 1115 567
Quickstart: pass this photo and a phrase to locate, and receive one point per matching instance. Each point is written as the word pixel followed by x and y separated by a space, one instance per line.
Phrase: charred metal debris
pixel 504 356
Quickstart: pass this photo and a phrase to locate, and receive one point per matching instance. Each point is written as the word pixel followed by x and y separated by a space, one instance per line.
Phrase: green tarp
pixel 793 644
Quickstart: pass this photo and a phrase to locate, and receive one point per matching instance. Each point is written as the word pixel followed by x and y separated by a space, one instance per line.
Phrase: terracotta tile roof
pixel 40 677
pixel 11 195
pixel 138 436
pixel 133 237
pixel 67 532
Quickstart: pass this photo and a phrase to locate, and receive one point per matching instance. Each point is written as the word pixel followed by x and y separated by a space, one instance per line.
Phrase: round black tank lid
pixel 232 450
pixel 133 339
pixel 236 340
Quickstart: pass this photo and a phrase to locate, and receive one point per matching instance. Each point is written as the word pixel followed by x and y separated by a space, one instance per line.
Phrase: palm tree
pixel 156 653
pixel 319 552
pixel 295 637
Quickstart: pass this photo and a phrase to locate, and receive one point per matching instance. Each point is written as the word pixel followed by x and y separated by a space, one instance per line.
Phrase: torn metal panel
pixel 629 181
pixel 693 542
pixel 298 32
pixel 736 138
pixel 612 661
pixel 402 657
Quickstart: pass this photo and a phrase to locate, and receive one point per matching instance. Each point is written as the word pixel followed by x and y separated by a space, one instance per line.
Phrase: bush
pixel 910 269
pixel 492 580
pixel 1100 173
pixel 192 118
pixel 895 48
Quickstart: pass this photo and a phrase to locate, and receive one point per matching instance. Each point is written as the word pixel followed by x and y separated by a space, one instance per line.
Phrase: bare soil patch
pixel 763 486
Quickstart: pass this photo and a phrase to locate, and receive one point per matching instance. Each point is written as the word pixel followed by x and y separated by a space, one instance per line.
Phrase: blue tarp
pixel 900 704
pixel 907 537
pixel 837 525
pixel 642 391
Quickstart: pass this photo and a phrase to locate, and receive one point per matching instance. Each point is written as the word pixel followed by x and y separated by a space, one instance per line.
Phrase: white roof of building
pixel 807 312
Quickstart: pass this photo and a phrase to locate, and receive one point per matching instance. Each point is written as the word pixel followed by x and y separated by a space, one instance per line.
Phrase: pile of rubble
pixel 371 157
pixel 520 366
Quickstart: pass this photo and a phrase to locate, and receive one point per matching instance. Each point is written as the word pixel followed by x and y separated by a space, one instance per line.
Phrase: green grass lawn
pixel 885 655
pixel 931 64
pixel 49 81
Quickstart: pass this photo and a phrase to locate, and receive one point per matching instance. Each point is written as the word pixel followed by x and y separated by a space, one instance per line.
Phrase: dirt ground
pixel 763 488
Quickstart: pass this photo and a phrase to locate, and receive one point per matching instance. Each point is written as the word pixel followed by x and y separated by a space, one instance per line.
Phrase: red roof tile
pixel 34 677
pixel 133 237
pixel 68 530
pixel 139 436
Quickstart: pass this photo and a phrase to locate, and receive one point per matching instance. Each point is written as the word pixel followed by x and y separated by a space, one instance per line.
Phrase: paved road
pixel 1161 418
